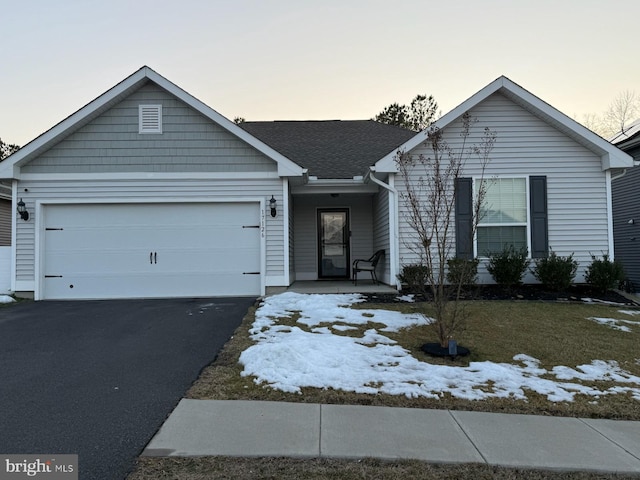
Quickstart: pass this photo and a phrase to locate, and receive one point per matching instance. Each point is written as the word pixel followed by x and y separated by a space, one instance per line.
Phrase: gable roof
pixel 629 137
pixel 331 148
pixel 9 168
pixel 611 156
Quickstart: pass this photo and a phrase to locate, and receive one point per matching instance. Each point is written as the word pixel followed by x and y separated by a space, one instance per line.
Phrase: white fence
pixel 5 270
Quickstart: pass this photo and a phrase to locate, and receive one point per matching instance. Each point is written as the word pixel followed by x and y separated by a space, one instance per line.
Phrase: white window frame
pixel 527 225
pixel 145 109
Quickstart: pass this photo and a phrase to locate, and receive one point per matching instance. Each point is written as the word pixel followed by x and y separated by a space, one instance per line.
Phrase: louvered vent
pixel 150 118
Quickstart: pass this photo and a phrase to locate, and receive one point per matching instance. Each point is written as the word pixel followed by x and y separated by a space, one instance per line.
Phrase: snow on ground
pixel 289 357
pixel 614 323
pixel 406 298
pixel 6 299
pixel 629 312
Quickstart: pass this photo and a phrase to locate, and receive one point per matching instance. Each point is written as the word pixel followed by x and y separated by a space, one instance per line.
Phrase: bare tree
pixel 624 109
pixel 430 182
pixel 621 112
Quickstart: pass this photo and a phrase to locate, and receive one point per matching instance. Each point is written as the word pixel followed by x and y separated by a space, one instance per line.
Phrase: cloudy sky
pixel 312 59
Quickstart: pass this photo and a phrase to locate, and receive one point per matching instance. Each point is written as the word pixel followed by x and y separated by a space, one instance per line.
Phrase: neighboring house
pixel 147 192
pixel 5 238
pixel 626 207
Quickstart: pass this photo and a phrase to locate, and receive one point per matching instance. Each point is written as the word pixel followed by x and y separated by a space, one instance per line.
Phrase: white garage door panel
pixel 151 250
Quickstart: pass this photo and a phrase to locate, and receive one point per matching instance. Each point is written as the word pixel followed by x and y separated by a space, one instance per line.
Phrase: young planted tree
pixel 429 197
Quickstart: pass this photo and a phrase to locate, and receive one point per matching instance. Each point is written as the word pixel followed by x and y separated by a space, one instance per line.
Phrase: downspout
pixel 393 225
pixel 609 215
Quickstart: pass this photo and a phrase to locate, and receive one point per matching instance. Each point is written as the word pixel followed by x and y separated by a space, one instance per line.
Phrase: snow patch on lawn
pixel 289 358
pixel 6 299
pixel 614 323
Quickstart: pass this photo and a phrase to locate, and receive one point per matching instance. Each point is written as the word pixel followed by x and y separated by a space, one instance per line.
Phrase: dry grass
pixel 554 333
pixel 223 468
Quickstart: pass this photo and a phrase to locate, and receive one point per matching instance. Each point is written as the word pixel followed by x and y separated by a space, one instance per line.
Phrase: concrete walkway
pixel 274 429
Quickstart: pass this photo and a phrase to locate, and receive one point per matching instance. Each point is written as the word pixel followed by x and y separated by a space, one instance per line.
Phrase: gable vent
pixel 150 118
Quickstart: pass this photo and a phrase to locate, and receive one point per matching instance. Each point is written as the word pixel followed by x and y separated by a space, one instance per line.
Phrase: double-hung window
pixel 503 217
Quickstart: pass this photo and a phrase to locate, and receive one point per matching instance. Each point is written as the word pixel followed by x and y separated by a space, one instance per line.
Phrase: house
pixel 626 207
pixel 148 192
pixel 5 238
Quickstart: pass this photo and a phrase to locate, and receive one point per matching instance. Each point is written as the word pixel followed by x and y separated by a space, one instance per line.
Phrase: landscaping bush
pixel 603 274
pixel 415 276
pixel 554 272
pixel 462 271
pixel 508 266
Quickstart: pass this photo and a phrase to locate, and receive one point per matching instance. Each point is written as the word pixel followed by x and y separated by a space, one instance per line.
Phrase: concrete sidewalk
pixel 264 429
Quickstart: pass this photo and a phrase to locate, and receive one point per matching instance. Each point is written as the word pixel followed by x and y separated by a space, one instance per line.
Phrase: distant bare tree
pixel 239 120
pixel 624 109
pixel 621 112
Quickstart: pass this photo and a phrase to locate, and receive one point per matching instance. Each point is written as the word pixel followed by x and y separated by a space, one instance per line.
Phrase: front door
pixel 333 243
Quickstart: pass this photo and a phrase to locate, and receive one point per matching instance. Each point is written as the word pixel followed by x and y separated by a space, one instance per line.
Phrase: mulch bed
pixel 575 293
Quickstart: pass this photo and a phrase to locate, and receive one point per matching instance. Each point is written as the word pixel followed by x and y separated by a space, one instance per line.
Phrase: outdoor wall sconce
pixel 272 205
pixel 631 222
pixel 22 210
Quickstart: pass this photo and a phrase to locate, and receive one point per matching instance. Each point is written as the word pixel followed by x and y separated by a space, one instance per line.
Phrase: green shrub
pixel 462 271
pixel 508 266
pixel 415 276
pixel 604 274
pixel 554 272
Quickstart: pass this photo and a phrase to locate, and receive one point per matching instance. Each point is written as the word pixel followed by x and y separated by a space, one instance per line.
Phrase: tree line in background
pixel 7 149
pixel 423 111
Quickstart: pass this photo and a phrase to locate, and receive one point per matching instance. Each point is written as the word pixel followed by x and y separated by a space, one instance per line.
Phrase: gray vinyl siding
pixel 381 232
pixel 5 222
pixel 137 190
pixel 626 207
pixel 189 143
pixel 526 145
pixel 306 231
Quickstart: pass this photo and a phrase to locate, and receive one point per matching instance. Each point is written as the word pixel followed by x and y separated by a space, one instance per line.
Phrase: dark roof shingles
pixel 331 148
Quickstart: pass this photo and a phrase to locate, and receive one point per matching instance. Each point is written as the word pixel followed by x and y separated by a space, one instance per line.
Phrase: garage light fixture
pixel 272 205
pixel 22 210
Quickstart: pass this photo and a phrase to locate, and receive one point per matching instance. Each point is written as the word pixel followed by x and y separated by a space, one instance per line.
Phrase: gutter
pixel 393 224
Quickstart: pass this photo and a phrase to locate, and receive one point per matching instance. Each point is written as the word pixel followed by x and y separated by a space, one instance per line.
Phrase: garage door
pixel 151 250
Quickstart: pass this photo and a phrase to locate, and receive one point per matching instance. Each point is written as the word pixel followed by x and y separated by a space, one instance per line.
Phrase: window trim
pixel 526 224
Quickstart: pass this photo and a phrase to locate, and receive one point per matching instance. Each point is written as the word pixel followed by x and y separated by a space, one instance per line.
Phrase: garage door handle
pixel 151 258
pixel 155 257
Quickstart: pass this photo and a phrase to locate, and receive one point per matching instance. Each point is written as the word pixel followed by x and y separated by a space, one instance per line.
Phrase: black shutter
pixel 539 228
pixel 464 218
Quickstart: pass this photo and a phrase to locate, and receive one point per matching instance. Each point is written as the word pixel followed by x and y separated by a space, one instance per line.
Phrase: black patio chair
pixel 369 265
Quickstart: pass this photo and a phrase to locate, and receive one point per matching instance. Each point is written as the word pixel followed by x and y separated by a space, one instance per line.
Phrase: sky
pixel 311 59
pixel 314 352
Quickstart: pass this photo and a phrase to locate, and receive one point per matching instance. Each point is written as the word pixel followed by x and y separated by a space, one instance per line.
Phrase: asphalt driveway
pixel 98 378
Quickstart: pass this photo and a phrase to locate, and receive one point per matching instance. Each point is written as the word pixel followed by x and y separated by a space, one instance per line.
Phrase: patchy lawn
pixel 566 359
pixel 567 363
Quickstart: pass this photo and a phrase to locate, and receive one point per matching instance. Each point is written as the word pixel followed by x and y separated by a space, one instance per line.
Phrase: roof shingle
pixel 331 148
